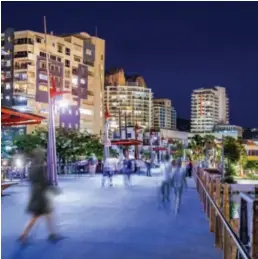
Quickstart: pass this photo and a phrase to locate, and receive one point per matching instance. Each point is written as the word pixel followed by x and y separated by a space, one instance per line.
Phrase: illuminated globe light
pixel 18 163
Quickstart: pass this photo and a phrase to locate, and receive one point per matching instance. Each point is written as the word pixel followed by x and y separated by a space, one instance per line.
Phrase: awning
pixel 159 149
pixel 126 142
pixel 12 117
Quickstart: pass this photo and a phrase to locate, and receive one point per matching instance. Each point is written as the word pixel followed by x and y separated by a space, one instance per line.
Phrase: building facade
pixel 164 114
pixel 208 108
pixel 76 62
pixel 129 104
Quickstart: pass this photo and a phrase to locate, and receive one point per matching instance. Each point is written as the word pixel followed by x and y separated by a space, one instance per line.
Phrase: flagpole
pixel 51 146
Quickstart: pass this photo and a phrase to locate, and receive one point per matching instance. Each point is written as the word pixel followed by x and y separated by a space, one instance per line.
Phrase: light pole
pixel 106 137
pixel 222 158
pixel 51 145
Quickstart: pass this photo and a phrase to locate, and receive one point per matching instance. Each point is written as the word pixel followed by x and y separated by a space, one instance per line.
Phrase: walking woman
pixel 179 183
pixel 39 203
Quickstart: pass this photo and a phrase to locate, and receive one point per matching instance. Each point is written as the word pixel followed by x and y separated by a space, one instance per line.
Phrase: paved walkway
pixel 110 223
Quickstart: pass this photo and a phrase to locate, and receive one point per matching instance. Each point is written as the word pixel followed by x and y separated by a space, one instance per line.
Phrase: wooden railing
pixel 215 198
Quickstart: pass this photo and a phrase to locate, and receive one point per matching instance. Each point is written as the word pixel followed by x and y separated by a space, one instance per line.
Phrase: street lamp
pixel 51 145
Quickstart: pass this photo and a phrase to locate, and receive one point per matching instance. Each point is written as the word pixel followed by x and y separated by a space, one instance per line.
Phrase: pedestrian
pixel 92 165
pixel 179 183
pixel 165 184
pixel 148 166
pixel 39 203
pixel 173 168
pixel 189 169
pixel 110 167
pixel 127 168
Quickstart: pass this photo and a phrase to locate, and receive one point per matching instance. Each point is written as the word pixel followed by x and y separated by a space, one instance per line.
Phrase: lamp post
pixel 223 158
pixel 51 145
pixel 106 137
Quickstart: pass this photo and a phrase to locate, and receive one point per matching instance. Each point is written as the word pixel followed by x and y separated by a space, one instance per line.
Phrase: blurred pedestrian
pixel 179 183
pixel 127 168
pixel 189 169
pixel 110 167
pixel 39 203
pixel 92 164
pixel 148 166
pixel 165 184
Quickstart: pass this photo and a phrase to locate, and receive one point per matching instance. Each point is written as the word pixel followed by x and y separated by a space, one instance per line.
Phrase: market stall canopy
pixel 126 142
pixel 12 117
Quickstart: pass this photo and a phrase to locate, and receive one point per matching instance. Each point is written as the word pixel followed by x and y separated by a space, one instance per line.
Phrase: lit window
pixel 86 111
pixel 21 98
pixel 88 52
pixel 43 88
pixel 63 125
pixel 82 81
pixel 43 77
pixel 7 97
pixel 70 125
pixel 70 111
pixel 75 80
pixel 8 86
pixel 76 113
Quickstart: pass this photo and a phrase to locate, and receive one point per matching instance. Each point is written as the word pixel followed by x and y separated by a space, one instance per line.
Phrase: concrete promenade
pixel 110 223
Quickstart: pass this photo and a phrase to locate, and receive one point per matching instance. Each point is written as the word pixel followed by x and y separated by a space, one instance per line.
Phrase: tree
pixel 235 154
pixel 251 166
pixel 113 152
pixel 70 144
pixel 232 149
pixel 197 147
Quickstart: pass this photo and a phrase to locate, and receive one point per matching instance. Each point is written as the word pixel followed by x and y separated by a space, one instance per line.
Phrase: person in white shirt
pixel 166 181
pixel 110 166
pixel 179 183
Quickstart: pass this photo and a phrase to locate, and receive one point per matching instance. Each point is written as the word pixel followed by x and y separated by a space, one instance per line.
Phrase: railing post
pixel 226 212
pixel 218 225
pixel 212 210
pixel 255 226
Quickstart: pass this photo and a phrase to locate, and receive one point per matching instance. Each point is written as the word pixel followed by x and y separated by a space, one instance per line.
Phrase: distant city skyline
pixel 175 46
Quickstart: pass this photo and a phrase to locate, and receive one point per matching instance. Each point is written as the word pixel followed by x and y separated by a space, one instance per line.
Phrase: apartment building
pixel 164 114
pixel 76 62
pixel 128 100
pixel 208 108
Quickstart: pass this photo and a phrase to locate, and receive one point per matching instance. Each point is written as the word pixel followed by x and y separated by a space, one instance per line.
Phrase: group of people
pixel 111 165
pixel 40 205
pixel 174 176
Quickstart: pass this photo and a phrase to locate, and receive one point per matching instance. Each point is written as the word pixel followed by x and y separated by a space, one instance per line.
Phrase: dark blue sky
pixel 175 46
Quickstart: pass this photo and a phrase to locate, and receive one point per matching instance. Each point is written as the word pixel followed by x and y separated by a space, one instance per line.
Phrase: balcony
pixel 24 56
pixel 23 67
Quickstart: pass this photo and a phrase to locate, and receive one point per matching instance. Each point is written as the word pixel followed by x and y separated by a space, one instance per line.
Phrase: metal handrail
pixel 235 238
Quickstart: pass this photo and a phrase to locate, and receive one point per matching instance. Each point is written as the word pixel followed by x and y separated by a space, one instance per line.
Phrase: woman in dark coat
pixel 39 203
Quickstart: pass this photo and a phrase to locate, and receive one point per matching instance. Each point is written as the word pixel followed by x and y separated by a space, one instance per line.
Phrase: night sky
pixel 175 46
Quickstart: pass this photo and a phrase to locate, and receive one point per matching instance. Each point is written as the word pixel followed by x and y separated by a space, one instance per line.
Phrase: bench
pixel 5 185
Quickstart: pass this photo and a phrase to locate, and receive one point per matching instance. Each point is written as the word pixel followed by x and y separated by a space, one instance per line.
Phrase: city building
pixel 251 150
pixel 128 102
pixel 76 62
pixel 208 108
pixel 164 114
pixel 228 130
